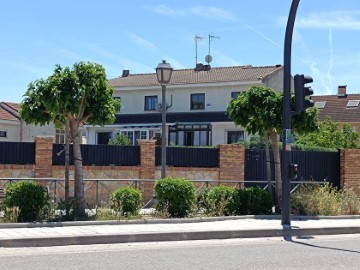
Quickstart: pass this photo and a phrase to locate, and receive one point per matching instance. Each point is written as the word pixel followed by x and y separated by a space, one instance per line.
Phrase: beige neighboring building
pixel 196 101
pixel 12 128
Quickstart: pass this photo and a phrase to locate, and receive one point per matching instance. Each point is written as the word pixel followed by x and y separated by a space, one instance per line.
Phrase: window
pixel 103 137
pixel 235 136
pixel 190 135
pixel 197 101
pixel 60 136
pixel 119 99
pixel 3 133
pixel 352 104
pixel 134 135
pixel 320 104
pixel 151 103
pixel 234 94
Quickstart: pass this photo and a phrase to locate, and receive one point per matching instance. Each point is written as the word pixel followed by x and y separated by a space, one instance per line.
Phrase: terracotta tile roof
pixel 9 110
pixel 336 108
pixel 189 76
pixel 5 115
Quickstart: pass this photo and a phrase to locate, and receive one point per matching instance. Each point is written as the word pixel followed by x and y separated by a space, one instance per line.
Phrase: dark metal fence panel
pixel 100 155
pixel 313 166
pixel 17 153
pixel 189 157
pixel 318 166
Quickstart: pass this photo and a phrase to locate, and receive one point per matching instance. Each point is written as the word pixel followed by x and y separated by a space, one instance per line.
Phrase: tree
pixel 259 111
pixel 331 135
pixel 120 139
pixel 80 94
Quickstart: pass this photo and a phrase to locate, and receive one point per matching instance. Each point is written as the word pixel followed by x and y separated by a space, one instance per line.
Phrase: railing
pixel 97 191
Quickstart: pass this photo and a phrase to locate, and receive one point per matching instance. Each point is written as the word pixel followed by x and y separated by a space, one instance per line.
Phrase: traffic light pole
pixel 286 156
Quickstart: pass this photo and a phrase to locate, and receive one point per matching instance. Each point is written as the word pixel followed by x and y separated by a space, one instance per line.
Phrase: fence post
pixel 232 162
pixel 147 167
pixel 43 156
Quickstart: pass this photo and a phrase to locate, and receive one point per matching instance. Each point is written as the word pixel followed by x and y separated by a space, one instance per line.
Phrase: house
pixel 12 128
pixel 341 108
pixel 196 103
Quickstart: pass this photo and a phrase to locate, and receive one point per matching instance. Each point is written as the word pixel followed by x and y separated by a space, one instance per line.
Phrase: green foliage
pixel 253 201
pixel 330 135
pixel 126 201
pixel 259 109
pixel 120 139
pixel 82 92
pixel 176 196
pixel 313 200
pixel 217 201
pixel 29 197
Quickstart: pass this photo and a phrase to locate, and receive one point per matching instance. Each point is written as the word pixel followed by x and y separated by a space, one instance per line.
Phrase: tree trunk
pixel 268 164
pixel 67 150
pixel 79 181
pixel 278 190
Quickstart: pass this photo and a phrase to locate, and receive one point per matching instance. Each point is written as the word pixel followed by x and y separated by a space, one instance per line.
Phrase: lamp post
pixel 163 73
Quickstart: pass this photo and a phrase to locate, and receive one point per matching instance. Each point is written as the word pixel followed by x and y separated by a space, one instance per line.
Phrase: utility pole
pixel 286 157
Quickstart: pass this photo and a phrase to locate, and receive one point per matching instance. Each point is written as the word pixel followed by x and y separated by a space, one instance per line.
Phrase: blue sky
pixel 137 35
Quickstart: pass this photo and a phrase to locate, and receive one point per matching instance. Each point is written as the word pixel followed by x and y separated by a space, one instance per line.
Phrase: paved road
pixel 321 252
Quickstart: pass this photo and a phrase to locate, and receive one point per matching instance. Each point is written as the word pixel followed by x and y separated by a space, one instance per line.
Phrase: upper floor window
pixel 3 134
pixel 197 101
pixel 234 94
pixel 119 99
pixel 151 103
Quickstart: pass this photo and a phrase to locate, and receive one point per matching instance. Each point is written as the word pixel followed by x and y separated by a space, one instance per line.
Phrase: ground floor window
pixel 235 136
pixel 103 137
pixel 60 136
pixel 135 135
pixel 190 135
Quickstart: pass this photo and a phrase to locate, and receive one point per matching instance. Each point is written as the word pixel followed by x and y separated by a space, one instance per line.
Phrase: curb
pixel 164 221
pixel 285 232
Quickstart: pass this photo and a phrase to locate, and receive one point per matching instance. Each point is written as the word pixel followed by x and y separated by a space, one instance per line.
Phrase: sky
pixel 137 35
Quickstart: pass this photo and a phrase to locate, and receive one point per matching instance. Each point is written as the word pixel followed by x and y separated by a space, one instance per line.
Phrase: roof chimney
pixel 125 73
pixel 342 91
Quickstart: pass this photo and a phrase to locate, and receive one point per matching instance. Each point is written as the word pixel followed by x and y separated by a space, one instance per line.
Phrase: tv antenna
pixel 197 38
pixel 208 58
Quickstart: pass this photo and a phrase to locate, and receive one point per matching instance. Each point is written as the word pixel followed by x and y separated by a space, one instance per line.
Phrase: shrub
pixel 218 200
pixel 176 196
pixel 253 201
pixel 29 197
pixel 313 200
pixel 349 202
pixel 126 201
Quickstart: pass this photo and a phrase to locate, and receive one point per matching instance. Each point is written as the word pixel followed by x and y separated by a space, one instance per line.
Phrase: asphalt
pixel 150 230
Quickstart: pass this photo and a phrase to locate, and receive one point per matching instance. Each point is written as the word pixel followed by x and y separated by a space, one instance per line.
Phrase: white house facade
pixel 12 128
pixel 196 102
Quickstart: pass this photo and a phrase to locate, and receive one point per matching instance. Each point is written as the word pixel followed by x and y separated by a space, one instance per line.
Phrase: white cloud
pixel 345 20
pixel 207 12
pixel 143 43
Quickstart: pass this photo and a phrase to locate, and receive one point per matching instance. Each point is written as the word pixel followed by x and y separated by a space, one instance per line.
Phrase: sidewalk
pixel 147 230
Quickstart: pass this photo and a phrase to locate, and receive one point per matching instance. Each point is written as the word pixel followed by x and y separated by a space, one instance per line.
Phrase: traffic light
pixel 302 102
pixel 293 171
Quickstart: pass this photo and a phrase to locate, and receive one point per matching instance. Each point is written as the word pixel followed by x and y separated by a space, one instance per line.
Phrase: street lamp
pixel 163 73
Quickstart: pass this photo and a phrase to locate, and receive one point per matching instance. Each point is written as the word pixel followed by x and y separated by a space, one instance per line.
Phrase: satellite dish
pixel 208 59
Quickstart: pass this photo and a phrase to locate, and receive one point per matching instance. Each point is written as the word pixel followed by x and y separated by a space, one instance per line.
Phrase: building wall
pixel 12 129
pixel 217 95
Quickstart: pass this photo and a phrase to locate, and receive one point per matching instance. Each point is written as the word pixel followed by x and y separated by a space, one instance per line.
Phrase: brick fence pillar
pixel 43 156
pixel 350 169
pixel 231 162
pixel 147 167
